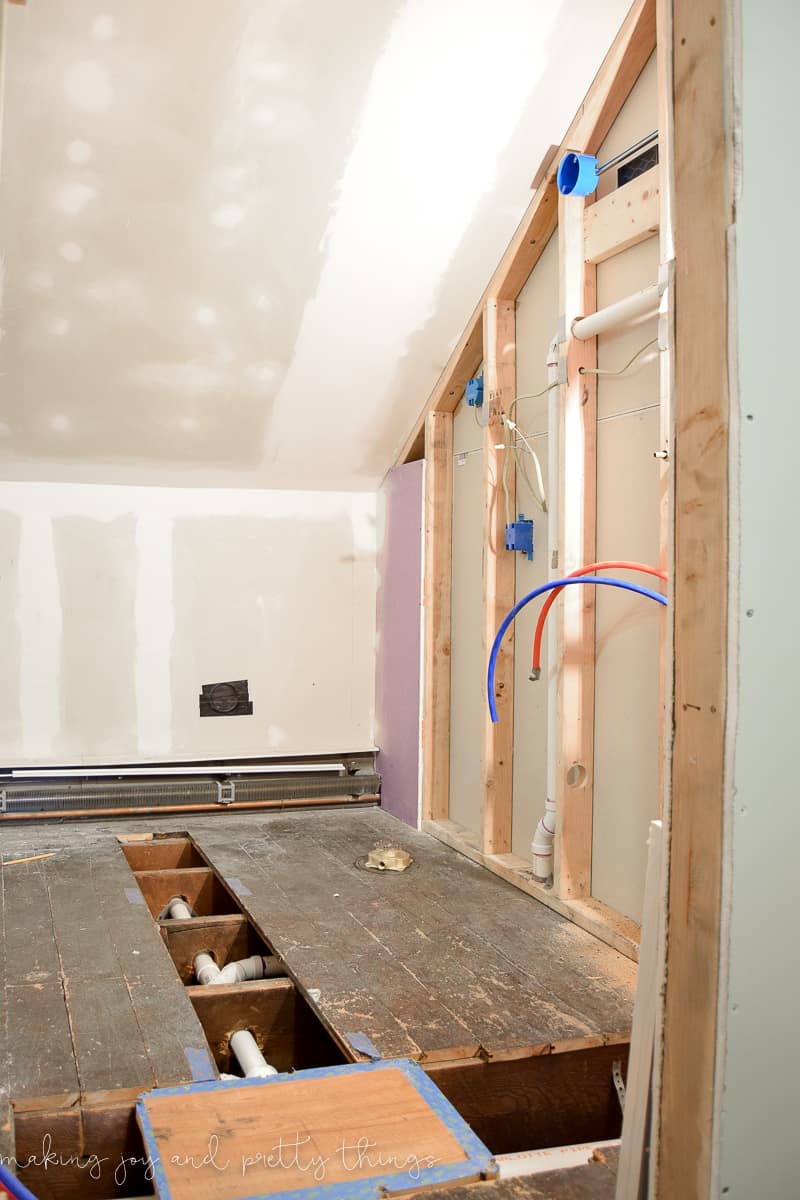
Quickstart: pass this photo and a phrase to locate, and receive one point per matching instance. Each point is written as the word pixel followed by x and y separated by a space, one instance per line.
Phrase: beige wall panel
pixel 122 602
pixel 466 661
pixel 251 609
pixel 537 317
pixel 10 712
pixel 638 117
pixel 626 696
pixel 96 565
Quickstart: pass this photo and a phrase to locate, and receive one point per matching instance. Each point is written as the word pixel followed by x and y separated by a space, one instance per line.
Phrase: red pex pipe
pixel 590 570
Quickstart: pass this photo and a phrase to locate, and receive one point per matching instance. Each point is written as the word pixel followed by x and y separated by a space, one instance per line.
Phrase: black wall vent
pixel 637 166
pixel 230 699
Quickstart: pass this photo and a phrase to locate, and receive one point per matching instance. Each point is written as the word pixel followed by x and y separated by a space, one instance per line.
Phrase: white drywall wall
pixel 760 1064
pixel 118 604
pixel 241 238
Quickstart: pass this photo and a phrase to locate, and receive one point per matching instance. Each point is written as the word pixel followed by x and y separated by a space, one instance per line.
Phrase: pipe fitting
pixel 205 969
pixel 542 844
pixel 178 910
pixel 250 1059
pixel 247 969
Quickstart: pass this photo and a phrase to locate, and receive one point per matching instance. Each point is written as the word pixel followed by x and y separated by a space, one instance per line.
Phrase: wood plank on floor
pixel 91 996
pixel 170 1031
pixel 456 955
pixel 363 987
pixel 41 1059
pixel 509 1002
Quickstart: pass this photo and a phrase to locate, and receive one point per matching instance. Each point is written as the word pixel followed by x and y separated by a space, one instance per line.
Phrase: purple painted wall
pixel 397 705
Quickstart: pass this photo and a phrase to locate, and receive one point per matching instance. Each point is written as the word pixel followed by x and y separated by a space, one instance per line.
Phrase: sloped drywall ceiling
pixel 240 238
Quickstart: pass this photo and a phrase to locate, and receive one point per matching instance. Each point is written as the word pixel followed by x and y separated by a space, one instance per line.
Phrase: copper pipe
pixel 324 801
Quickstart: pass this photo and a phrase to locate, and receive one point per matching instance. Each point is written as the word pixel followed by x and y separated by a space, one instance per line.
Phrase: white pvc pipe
pixel 205 969
pixel 542 844
pixel 637 305
pixel 255 967
pixel 536 1162
pixel 249 1057
pixel 178 909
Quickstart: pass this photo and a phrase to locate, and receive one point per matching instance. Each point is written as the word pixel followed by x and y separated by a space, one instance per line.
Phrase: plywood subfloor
pixel 440 962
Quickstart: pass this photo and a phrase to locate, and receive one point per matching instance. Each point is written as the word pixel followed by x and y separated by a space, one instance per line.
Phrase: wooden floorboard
pixel 92 999
pixel 440 963
pixel 462 961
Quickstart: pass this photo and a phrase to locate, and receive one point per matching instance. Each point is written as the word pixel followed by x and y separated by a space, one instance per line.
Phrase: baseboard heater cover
pixel 93 794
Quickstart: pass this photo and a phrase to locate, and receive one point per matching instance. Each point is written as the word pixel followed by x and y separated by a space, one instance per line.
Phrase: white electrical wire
pixel 541 499
pixel 476 408
pixel 534 395
pixel 622 370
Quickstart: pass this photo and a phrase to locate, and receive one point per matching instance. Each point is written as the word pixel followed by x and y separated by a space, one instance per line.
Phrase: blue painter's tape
pixel 236 885
pixel 478 1160
pixel 200 1064
pixel 361 1043
pixel 134 896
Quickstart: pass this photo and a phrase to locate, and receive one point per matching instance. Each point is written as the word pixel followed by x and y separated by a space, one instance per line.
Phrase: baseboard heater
pixel 223 791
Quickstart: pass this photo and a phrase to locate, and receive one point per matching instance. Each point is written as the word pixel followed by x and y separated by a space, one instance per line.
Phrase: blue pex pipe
pixel 596 580
pixel 13 1186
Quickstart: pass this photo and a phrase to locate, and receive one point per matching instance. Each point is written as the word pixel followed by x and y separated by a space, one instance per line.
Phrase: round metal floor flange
pixel 386 858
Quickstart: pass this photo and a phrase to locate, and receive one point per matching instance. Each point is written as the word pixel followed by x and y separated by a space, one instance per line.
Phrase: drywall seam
pixel 40 632
pixel 155 624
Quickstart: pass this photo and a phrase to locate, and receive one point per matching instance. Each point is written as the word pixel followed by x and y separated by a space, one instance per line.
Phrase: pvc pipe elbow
pixel 243 971
pixel 205 969
pixel 542 846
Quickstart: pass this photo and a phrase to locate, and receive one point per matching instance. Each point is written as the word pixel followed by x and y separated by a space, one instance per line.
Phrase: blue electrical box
pixel 473 393
pixel 519 536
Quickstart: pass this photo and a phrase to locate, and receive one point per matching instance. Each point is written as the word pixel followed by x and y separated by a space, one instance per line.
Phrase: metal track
pixel 97 794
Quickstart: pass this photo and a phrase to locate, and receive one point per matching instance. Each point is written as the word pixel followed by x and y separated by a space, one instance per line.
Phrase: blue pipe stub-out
pixel 577 175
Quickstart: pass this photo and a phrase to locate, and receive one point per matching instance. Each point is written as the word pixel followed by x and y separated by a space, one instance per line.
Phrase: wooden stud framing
pixel 499 382
pixel 438 578
pixel 611 87
pixel 666 332
pixel 577 440
pixel 703 174
pixel 623 218
pixel 595 917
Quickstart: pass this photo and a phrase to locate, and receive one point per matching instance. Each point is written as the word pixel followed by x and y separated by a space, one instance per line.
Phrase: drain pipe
pixel 542 844
pixel 178 909
pixel 247 969
pixel 205 969
pixel 640 304
pixel 249 1057
pixel 256 967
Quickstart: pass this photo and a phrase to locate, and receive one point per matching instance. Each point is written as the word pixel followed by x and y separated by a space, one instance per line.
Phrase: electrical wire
pixel 594 580
pixel 536 668
pixel 480 407
pixel 533 395
pixel 622 370
pixel 541 499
